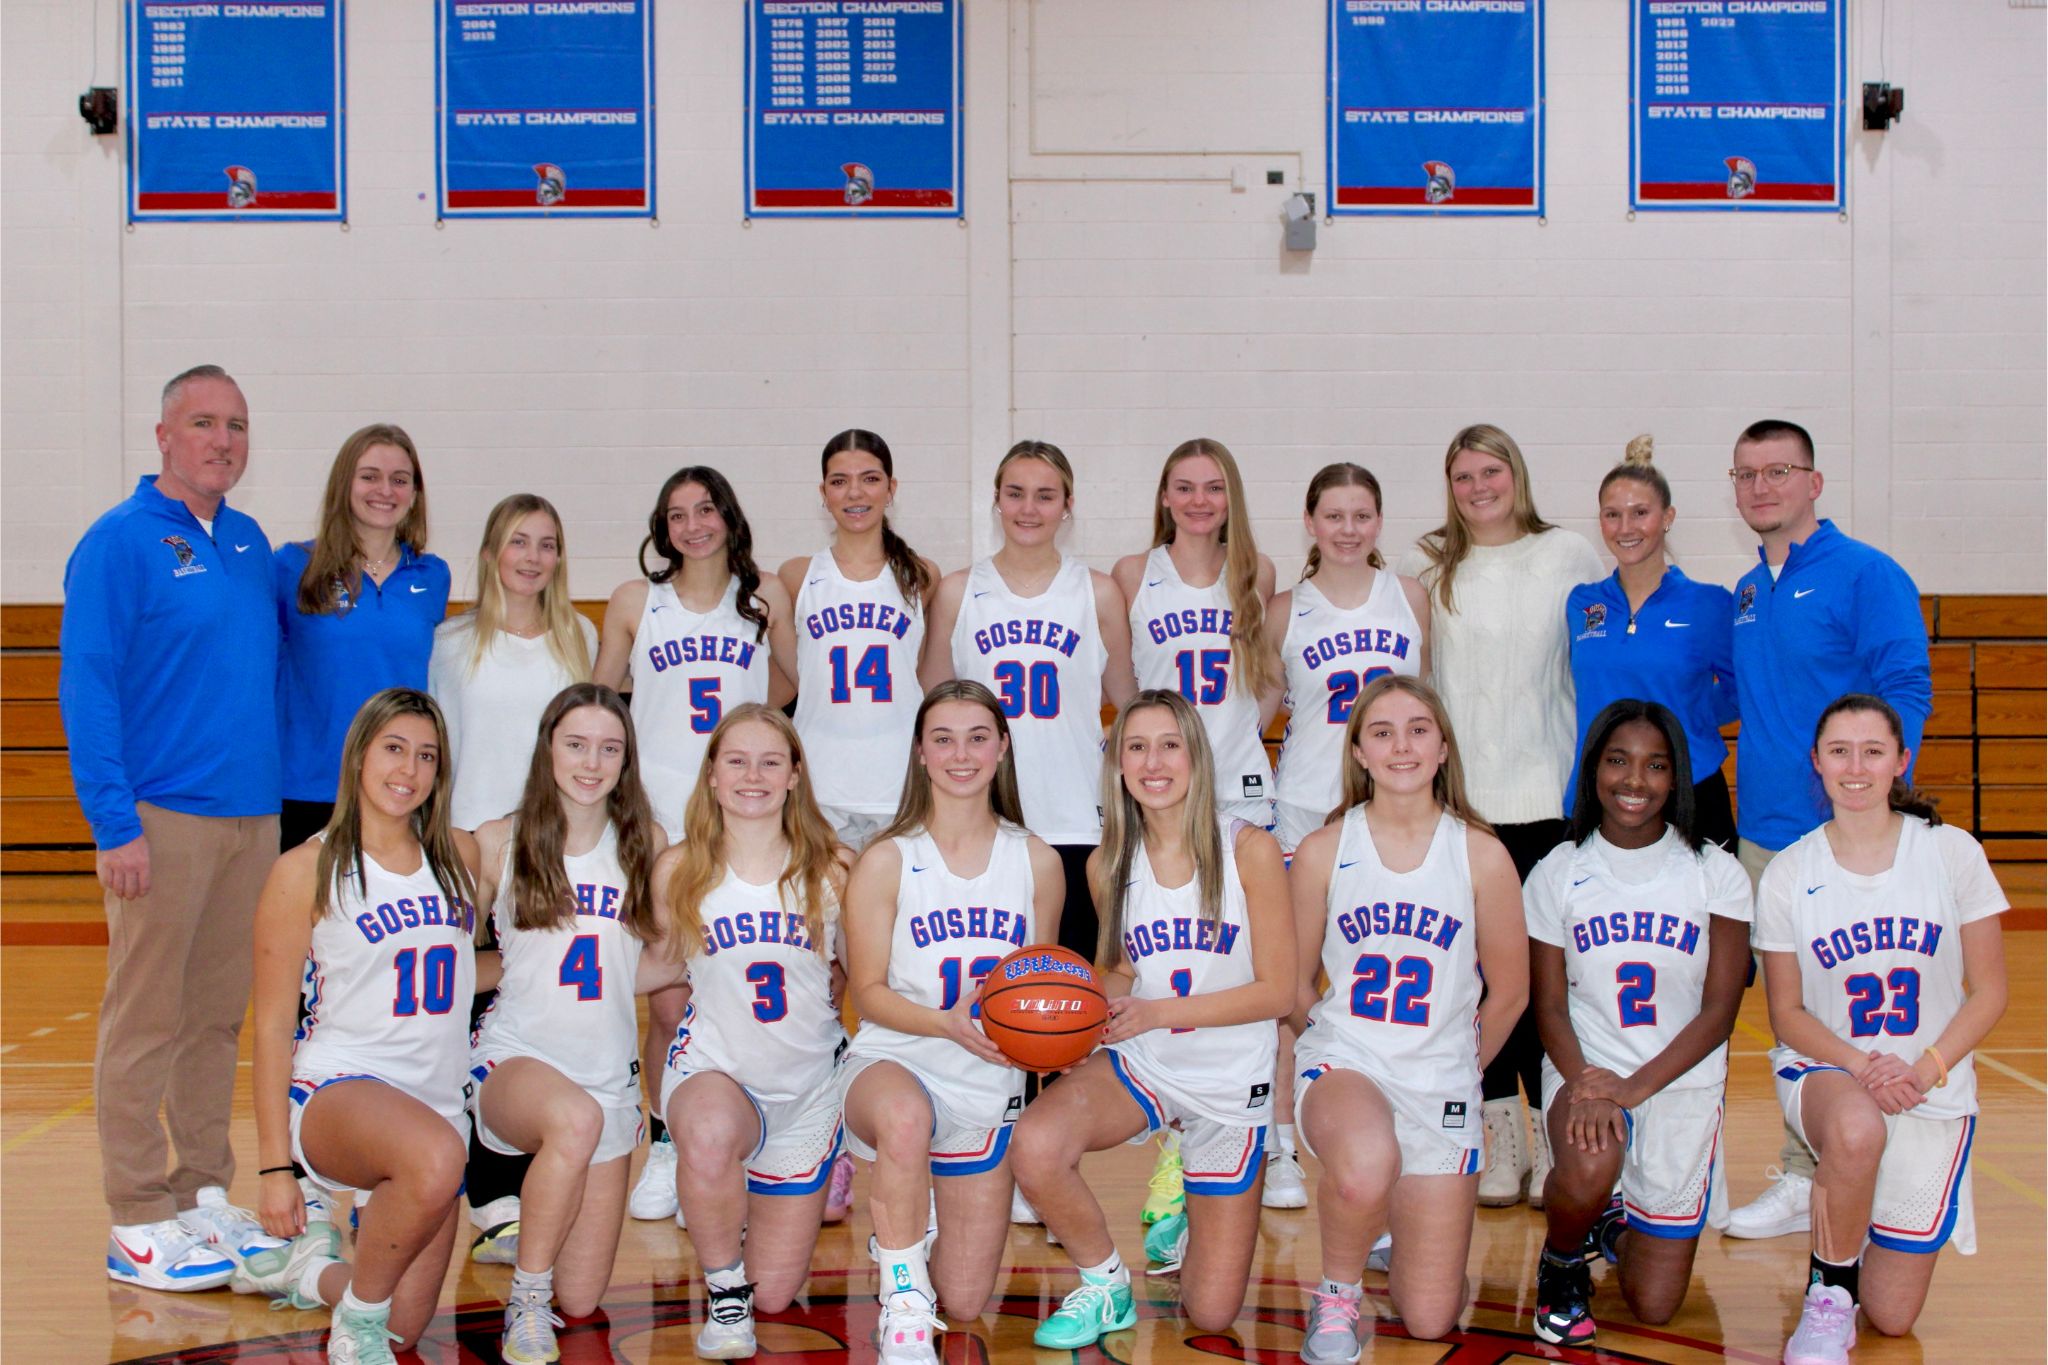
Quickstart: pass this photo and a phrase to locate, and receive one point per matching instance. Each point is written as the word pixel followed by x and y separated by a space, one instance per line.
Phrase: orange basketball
pixel 1043 1007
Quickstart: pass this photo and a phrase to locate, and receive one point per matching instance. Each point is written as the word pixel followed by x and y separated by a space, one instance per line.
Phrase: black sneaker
pixel 1603 1239
pixel 1564 1310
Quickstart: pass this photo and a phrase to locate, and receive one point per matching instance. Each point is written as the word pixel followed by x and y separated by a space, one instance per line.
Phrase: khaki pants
pixel 179 962
pixel 1794 1156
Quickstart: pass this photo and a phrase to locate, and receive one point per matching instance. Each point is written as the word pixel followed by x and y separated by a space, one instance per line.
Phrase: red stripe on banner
pixel 1718 189
pixel 836 199
pixel 297 201
pixel 1490 196
pixel 523 199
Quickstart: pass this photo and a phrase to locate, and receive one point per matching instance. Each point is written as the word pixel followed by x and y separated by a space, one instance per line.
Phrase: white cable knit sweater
pixel 1501 661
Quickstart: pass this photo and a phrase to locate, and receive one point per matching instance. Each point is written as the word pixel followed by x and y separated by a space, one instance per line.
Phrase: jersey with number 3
pixel 950 932
pixel 1401 951
pixel 688 669
pixel 1881 955
pixel 566 996
pixel 1636 953
pixel 390 974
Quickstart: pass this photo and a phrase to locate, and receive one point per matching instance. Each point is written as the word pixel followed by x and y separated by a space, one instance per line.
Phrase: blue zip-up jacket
pixel 334 662
pixel 1677 650
pixel 1840 617
pixel 169 677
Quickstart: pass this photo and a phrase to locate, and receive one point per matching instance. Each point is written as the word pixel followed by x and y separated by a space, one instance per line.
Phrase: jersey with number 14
pixel 687 669
pixel 857 646
pixel 566 996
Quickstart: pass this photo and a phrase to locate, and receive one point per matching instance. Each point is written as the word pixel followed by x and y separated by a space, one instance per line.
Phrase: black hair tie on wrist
pixel 273 1170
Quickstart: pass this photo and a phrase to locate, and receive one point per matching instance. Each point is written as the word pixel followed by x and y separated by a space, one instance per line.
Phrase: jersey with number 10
pixel 857 645
pixel 687 669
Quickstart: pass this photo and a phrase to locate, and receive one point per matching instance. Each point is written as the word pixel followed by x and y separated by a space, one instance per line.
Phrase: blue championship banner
pixel 1736 104
pixel 235 110
pixel 853 108
pixel 545 108
pixel 1436 107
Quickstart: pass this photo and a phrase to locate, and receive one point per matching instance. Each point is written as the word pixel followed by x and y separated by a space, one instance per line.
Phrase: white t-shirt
pixel 493 712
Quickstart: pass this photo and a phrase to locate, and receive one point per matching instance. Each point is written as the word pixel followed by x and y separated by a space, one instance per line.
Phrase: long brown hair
pixel 341 847
pixel 1447 546
pixel 335 568
pixel 1123 822
pixel 1448 786
pixel 558 612
pixel 541 895
pixel 1240 556
pixel 739 541
pixel 813 847
pixel 1904 797
pixel 1342 474
pixel 914 807
pixel 913 576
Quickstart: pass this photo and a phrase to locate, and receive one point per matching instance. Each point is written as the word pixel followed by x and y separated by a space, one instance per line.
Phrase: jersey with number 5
pixel 566 996
pixel 1401 951
pixel 687 670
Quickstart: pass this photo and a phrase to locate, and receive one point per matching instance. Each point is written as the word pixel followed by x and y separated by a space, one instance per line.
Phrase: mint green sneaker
pixel 361 1338
pixel 1166 1243
pixel 1088 1314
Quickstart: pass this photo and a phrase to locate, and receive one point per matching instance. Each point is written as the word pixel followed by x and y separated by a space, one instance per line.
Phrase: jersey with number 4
pixel 857 645
pixel 1881 956
pixel 1401 951
pixel 566 996
pixel 687 669
pixel 1636 952
pixel 390 974
pixel 950 932
pixel 761 993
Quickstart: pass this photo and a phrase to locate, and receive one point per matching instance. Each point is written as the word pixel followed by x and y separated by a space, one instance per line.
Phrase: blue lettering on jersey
pixel 974 921
pixel 857 616
pixel 1180 934
pixel 1879 934
pixel 1364 640
pixel 394 917
pixel 1049 634
pixel 1404 918
pixel 601 901
pixel 1641 926
pixel 1189 621
pixel 701 649
pixel 749 927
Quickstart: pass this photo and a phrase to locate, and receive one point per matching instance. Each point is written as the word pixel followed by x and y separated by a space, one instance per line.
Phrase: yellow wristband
pixel 1935 1053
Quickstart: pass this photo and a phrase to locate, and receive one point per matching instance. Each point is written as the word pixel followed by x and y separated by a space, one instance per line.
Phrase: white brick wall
pixel 1109 291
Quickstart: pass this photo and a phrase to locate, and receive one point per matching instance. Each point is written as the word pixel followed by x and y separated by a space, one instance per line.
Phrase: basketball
pixel 1043 1007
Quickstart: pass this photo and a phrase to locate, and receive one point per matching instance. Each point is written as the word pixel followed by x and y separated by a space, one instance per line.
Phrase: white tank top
pixel 1329 655
pixel 1043 658
pixel 687 669
pixel 857 646
pixel 1223 1073
pixel 1180 641
pixel 390 975
pixel 761 994
pixel 566 997
pixel 1401 951
pixel 950 931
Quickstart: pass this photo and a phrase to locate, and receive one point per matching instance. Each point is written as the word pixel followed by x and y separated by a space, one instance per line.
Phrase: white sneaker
pixel 1284 1188
pixel 1381 1257
pixel 1782 1209
pixel 530 1324
pixel 232 1231
pixel 1507 1159
pixel 166 1255
pixel 1539 1158
pixel 655 1194
pixel 1021 1210
pixel 728 1333
pixel 909 1330
pixel 1827 1328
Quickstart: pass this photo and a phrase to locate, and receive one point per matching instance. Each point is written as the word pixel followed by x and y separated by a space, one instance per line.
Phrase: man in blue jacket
pixel 168 686
pixel 1819 616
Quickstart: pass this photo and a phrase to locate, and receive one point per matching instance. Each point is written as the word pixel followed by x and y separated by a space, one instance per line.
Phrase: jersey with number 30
pixel 566 996
pixel 687 670
pixel 761 994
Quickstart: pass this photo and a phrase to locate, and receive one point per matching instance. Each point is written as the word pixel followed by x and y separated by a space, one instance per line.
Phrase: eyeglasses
pixel 1771 475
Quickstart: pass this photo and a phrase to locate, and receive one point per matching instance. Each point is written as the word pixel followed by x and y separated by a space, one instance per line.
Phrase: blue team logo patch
pixel 188 558
pixel 1595 622
pixel 1745 604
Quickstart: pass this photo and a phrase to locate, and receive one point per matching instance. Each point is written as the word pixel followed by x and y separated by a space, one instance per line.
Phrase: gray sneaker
pixel 1332 1337
pixel 529 1330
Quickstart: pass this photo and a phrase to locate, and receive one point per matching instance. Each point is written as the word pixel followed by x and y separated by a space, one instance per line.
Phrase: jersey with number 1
pixel 857 646
pixel 687 669
pixel 1043 658
pixel 566 996
pixel 950 932
pixel 761 993
pixel 390 974
pixel 1401 951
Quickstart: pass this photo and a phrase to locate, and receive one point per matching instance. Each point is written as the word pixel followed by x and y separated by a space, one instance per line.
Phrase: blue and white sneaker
pixel 233 1231
pixel 166 1255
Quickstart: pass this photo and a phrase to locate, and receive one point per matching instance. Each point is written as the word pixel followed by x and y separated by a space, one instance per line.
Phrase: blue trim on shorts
pixel 1927 1246
pixel 979 1164
pixel 1153 1123
pixel 1254 1169
pixel 1799 1071
pixel 794 1187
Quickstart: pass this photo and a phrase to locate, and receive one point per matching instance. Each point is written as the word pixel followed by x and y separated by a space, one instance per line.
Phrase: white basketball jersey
pixel 1881 957
pixel 1223 1073
pixel 1043 658
pixel 1329 654
pixel 687 669
pixel 857 646
pixel 390 975
pixel 566 996
pixel 1635 952
pixel 761 994
pixel 1401 951
pixel 1180 641
pixel 950 932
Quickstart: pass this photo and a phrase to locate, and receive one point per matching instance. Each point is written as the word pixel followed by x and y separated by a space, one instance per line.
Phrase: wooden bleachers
pixel 1985 755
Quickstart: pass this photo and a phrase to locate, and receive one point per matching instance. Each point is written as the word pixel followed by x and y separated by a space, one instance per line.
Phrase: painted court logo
pixel 241 187
pixel 1442 183
pixel 860 183
pixel 1741 176
pixel 188 560
pixel 551 187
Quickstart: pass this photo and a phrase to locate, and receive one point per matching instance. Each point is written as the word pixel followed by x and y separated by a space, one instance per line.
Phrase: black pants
pixel 1713 815
pixel 1521 1057
pixel 300 821
pixel 1078 927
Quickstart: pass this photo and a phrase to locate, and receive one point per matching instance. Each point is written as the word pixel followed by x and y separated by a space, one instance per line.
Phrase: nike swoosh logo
pixel 985 592
pixel 138 1257
pixel 1304 613
pixel 1801 592
pixel 915 868
pixel 1352 863
pixel 1811 889
pixel 1582 881
pixel 1154 582
pixel 658 606
pixel 240 548
pixel 417 588
pixel 1676 625
pixel 813 582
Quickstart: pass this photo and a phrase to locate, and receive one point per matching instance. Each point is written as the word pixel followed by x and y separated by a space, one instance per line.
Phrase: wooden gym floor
pixel 57 1306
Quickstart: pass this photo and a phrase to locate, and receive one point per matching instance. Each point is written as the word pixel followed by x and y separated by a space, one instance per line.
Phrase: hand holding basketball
pixel 1043 1007
pixel 963 1028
